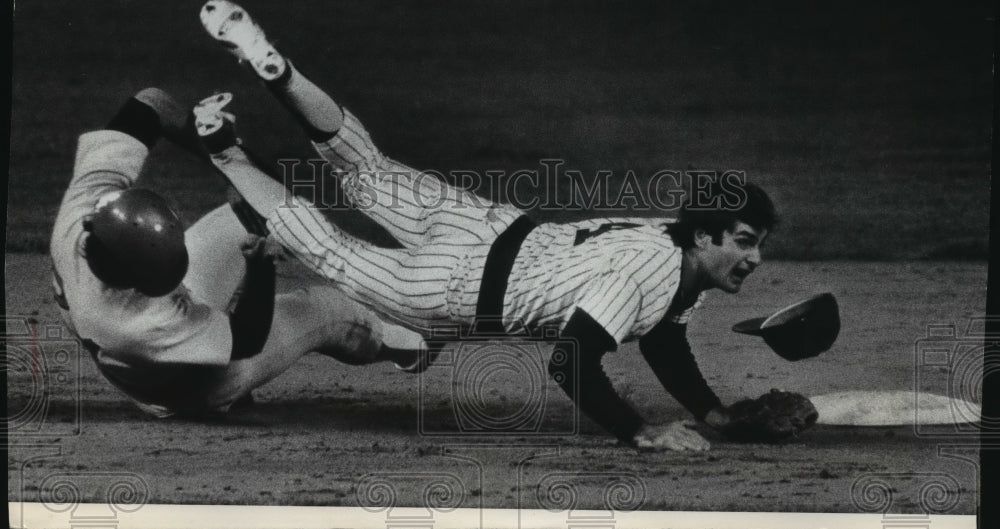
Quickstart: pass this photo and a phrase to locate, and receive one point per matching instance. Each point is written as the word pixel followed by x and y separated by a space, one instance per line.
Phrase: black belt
pixel 496 271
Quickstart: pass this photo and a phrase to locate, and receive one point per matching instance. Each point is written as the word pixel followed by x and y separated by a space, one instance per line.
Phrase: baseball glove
pixel 770 418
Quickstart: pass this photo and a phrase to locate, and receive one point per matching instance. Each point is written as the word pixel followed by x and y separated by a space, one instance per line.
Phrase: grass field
pixel 870 124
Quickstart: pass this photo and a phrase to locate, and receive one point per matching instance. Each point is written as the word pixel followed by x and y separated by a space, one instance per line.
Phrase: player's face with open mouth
pixel 728 264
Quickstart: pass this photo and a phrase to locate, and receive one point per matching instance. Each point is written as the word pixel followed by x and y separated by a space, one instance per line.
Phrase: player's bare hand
pixel 678 435
pixel 174 117
pixel 257 247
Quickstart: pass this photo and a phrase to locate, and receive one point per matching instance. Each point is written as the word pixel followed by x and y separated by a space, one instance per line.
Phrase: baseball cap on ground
pixel 801 330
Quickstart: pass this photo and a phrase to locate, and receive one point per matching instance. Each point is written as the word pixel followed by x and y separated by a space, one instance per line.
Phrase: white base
pixel 893 408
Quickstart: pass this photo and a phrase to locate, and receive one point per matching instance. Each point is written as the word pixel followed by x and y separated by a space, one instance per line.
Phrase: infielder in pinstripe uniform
pixel 602 282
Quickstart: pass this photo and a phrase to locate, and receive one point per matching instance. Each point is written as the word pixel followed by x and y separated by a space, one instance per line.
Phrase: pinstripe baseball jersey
pixel 623 276
pixel 446 233
pixel 622 273
pixel 415 207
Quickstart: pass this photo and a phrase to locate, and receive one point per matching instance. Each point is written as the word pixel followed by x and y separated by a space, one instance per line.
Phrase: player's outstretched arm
pixel 172 115
pixel 668 353
pixel 107 161
pixel 580 374
pixel 176 121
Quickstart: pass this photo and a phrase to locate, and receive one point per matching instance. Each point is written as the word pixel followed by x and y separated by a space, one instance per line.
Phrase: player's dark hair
pixel 718 208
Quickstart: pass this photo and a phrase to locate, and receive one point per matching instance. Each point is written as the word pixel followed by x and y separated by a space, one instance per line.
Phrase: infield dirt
pixel 320 433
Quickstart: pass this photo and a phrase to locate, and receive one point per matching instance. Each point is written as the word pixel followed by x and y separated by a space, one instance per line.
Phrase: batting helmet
pixel 136 241
pixel 800 330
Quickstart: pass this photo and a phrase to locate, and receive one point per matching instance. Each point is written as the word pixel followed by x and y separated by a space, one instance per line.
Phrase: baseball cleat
pixel 214 125
pixel 209 116
pixel 231 25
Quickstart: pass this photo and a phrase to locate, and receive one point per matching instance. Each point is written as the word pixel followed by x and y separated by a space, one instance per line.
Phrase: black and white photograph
pixel 553 263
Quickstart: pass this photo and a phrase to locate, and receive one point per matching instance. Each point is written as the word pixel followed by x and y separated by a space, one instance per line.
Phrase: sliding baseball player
pixel 186 322
pixel 602 282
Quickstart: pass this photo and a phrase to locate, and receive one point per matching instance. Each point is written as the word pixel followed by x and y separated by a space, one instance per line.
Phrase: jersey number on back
pixel 586 233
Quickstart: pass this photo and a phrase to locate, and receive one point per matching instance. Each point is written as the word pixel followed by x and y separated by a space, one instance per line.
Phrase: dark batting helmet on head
pixel 136 241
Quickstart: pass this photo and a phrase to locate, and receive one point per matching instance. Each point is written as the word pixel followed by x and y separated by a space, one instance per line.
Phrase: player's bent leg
pixel 357 336
pixel 409 284
pixel 319 114
pixel 216 265
pixel 412 205
pixel 323 319
pixel 401 199
pixel 397 197
pixel 381 277
pixel 232 26
pixel 315 318
pixel 264 194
